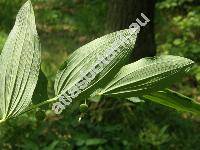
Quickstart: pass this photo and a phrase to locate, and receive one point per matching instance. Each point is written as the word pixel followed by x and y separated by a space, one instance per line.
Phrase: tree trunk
pixel 124 12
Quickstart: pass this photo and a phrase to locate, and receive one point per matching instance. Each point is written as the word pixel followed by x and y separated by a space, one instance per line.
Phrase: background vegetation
pixel 64 26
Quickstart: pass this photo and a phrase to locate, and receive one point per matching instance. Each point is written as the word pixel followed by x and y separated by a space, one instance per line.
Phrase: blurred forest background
pixel 64 26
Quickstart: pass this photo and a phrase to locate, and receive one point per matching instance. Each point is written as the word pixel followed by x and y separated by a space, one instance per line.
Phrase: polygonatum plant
pixel 22 82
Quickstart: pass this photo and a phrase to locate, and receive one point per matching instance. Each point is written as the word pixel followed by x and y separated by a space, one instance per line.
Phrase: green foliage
pixel 101 56
pixel 182 26
pixel 40 115
pixel 147 75
pixel 175 100
pixel 86 59
pixel 8 10
pixel 111 123
pixel 91 22
pixel 19 63
pixel 3 37
pixel 154 136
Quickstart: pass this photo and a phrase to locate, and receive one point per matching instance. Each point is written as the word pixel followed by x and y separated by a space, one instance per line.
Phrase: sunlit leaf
pixel 19 64
pixel 147 75
pixel 71 76
pixel 135 99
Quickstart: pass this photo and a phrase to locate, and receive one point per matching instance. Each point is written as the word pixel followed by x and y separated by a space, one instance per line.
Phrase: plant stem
pixel 35 106
pixel 42 103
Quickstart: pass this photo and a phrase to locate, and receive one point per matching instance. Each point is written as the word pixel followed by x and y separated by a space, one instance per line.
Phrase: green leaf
pixel 135 99
pixel 174 100
pixel 40 92
pixel 19 64
pixel 95 141
pixel 71 75
pixel 147 75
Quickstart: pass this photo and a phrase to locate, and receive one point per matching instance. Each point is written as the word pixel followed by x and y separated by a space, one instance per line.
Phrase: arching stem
pixel 42 103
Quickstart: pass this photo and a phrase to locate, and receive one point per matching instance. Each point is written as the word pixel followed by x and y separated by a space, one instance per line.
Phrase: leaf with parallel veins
pixel 19 64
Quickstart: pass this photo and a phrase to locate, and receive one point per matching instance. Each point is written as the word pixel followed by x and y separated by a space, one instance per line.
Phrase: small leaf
pixel 147 75
pixel 174 100
pixel 135 99
pixel 19 64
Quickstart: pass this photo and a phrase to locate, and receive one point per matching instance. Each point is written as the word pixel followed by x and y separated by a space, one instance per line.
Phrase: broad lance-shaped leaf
pixel 20 64
pixel 174 100
pixel 105 56
pixel 147 75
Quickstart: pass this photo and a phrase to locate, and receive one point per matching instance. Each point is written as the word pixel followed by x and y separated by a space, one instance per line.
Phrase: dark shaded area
pixel 122 14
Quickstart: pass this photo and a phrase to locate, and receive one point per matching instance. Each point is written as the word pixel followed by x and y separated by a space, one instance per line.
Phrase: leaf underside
pixel 85 58
pixel 19 64
pixel 147 75
pixel 20 67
